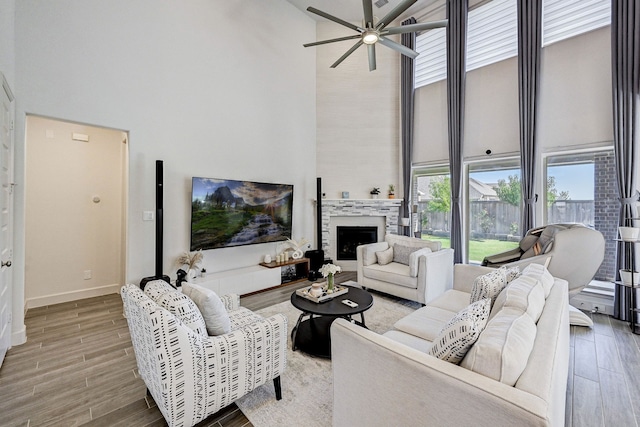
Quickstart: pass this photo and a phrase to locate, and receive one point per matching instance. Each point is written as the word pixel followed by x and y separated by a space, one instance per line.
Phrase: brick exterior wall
pixel 606 208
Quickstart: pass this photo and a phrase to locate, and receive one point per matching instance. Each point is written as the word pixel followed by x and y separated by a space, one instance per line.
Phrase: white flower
pixel 328 269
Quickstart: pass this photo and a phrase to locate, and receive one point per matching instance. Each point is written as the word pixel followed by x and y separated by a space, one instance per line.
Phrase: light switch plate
pixel 147 216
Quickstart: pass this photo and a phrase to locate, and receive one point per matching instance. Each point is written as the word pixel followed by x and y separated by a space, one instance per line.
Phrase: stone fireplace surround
pixel 382 213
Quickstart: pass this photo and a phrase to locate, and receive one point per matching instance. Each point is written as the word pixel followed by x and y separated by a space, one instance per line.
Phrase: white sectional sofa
pixel 506 379
pixel 427 272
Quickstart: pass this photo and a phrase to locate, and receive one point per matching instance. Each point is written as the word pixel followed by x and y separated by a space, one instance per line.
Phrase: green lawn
pixel 478 248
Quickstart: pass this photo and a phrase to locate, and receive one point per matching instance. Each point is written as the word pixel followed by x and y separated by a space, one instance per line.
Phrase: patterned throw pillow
pixel 184 309
pixel 491 284
pixel 211 307
pixel 402 253
pixel 385 257
pixel 461 332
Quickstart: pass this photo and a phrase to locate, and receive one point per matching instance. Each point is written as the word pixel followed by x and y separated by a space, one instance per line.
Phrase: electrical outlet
pixel 87 274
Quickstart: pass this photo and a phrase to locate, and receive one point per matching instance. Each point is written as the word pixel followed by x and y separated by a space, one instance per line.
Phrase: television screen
pixel 228 213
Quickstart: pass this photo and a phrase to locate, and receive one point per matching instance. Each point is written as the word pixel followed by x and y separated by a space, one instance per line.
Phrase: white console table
pixel 240 281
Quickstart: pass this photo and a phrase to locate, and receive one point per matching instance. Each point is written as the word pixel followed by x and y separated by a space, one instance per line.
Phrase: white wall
pixel 66 232
pixel 358 133
pixel 7 41
pixel 193 85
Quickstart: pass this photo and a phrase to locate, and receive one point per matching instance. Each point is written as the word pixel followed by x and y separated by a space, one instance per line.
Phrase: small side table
pixel 313 334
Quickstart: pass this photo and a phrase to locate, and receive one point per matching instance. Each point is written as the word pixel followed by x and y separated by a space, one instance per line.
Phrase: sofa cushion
pixel 426 322
pixel 525 293
pixel 156 288
pixel 385 257
pixel 461 332
pixel 401 253
pixel 184 309
pixel 452 300
pixel 395 273
pixel 409 340
pixel 503 349
pixel 211 307
pixel 540 272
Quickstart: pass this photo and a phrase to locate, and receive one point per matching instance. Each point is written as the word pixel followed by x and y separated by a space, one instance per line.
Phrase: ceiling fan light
pixel 370 37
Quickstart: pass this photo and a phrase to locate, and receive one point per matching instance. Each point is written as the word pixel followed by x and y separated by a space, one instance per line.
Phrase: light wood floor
pixel 78 368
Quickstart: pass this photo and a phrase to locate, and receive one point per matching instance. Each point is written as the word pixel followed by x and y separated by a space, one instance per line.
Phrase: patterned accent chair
pixel 191 375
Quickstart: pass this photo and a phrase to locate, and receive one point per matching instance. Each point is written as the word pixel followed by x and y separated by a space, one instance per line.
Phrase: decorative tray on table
pixel 337 291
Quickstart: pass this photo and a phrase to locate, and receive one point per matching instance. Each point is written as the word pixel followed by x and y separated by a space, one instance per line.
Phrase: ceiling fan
pixel 375 32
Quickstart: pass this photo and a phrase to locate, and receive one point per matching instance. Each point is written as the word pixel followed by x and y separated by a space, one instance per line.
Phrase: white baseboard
pixel 19 337
pixel 72 296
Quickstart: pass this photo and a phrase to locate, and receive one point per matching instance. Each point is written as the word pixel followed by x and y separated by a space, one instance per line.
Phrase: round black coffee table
pixel 312 335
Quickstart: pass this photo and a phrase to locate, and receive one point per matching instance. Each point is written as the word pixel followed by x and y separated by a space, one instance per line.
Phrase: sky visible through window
pixel 577 179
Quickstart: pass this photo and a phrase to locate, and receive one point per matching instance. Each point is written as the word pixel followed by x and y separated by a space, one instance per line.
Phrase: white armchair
pixel 191 375
pixel 427 273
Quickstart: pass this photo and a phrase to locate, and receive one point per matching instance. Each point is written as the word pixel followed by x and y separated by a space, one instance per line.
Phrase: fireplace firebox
pixel 349 238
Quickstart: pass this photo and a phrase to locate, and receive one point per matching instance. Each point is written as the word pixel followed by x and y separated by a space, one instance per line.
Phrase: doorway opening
pixel 75 210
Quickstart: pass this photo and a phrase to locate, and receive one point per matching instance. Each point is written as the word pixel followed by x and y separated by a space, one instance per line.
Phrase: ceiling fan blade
pixel 394 13
pixel 340 39
pixel 368 13
pixel 334 19
pixel 400 48
pixel 349 52
pixel 372 56
pixel 415 27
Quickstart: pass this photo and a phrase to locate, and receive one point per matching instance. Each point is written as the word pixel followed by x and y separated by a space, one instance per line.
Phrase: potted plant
pixel 374 193
pixel 392 191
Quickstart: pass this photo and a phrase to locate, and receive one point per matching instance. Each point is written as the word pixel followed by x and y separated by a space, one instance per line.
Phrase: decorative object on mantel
pixel 192 260
pixel 375 31
pixel 267 258
pixel 345 194
pixel 329 271
pixel 392 191
pixel 374 193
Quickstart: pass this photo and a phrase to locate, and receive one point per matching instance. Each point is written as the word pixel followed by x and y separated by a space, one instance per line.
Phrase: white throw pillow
pixel 211 307
pixel 525 293
pixel 184 309
pixel 461 332
pixel 503 349
pixel 541 273
pixel 385 257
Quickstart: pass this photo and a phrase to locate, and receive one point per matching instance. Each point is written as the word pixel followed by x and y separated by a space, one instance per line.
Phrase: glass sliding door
pixel 432 198
pixel 581 188
pixel 494 208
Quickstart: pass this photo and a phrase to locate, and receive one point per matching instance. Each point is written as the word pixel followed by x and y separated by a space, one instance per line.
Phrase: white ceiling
pixel 351 10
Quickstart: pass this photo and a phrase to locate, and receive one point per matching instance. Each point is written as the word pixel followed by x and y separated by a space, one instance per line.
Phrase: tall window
pixel 494 208
pixel 581 188
pixel 432 195
pixel 492 33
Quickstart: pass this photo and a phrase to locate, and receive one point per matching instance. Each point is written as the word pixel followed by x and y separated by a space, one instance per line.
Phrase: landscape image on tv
pixel 228 213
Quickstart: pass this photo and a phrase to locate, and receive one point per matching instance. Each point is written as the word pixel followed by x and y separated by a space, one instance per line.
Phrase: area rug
pixel 307 394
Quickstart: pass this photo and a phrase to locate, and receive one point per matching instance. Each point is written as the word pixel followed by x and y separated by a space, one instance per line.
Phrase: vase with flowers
pixel 329 271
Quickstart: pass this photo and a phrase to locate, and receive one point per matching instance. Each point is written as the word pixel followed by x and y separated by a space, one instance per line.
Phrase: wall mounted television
pixel 226 213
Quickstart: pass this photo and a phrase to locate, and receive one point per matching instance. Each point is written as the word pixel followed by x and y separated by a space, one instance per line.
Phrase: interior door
pixel 6 215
